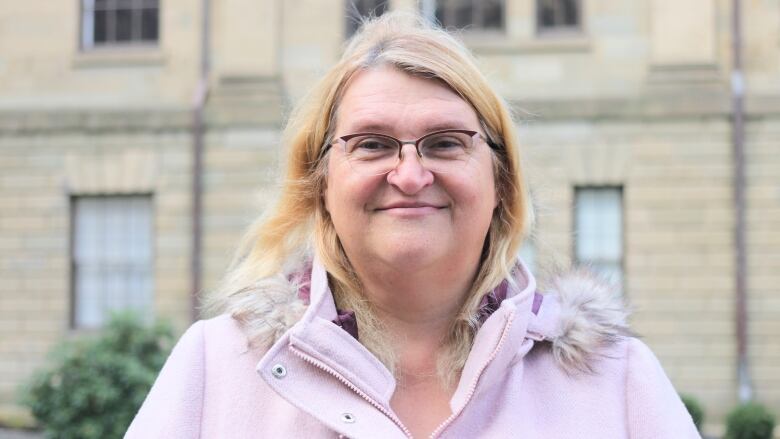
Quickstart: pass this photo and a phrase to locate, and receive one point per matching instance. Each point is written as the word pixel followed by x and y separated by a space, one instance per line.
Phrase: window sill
pixel 541 44
pixel 119 56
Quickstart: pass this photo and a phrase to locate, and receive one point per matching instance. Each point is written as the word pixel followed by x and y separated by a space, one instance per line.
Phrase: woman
pixel 383 298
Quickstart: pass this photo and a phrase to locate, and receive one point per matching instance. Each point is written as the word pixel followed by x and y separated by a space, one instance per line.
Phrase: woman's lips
pixel 410 210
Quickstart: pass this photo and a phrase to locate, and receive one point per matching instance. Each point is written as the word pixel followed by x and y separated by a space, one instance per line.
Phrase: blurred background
pixel 139 138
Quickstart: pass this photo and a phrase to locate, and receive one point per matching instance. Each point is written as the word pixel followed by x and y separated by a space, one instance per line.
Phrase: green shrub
pixel 695 409
pixel 95 387
pixel 750 421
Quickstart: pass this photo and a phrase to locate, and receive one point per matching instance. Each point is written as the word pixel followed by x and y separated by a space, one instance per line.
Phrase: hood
pixel 579 314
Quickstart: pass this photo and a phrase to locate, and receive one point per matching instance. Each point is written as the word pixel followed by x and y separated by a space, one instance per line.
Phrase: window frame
pixel 575 241
pixel 476 12
pixel 86 34
pixel 561 30
pixel 73 324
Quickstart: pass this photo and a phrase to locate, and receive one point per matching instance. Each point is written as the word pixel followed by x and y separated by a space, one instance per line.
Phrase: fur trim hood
pixel 579 315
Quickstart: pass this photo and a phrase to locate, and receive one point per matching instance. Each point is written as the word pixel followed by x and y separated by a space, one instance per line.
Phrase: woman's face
pixel 410 218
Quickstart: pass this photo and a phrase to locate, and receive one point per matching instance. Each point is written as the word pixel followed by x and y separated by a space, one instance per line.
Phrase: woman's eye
pixel 373 145
pixel 445 143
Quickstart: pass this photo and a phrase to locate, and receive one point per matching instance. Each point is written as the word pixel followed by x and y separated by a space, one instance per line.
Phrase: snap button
pixel 348 418
pixel 278 371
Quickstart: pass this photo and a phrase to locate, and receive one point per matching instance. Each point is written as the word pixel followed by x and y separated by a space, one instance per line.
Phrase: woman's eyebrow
pixel 371 127
pixel 445 125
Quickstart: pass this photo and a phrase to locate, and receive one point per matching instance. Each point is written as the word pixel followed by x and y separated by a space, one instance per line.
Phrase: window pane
pixel 149 25
pixel 470 14
pixel 440 13
pixel 599 224
pixel 87 307
pixel 101 33
pixel 119 21
pixel 570 13
pixel 124 20
pixel 599 229
pixel 493 14
pixel 357 9
pixel 463 14
pixel 551 14
pixel 112 257
pixel 545 12
pixel 379 7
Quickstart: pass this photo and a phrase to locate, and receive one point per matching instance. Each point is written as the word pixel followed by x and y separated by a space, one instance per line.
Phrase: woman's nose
pixel 410 176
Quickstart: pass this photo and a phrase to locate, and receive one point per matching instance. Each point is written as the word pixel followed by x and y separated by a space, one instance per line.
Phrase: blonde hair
pixel 282 242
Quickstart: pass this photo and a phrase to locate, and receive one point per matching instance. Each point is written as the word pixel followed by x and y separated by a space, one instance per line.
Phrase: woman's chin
pixel 411 255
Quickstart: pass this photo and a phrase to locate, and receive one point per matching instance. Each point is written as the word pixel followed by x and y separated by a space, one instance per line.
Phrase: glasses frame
pixel 344 139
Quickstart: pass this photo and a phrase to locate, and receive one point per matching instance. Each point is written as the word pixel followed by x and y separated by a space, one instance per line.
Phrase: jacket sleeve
pixel 654 409
pixel 174 404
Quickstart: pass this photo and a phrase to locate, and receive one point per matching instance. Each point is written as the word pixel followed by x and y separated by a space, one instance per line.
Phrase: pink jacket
pixel 561 368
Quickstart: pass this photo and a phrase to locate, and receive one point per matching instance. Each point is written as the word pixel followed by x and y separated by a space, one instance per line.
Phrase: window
pixel 470 14
pixel 599 230
pixel 119 22
pixel 359 9
pixel 111 257
pixel 558 16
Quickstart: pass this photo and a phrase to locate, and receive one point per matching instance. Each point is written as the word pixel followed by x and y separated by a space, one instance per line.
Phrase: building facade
pixel 624 110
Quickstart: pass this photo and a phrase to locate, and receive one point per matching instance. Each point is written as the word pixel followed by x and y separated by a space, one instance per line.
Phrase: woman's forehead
pixel 387 100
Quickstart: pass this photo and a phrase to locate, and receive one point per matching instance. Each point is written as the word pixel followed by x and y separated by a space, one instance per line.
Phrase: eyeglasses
pixel 441 151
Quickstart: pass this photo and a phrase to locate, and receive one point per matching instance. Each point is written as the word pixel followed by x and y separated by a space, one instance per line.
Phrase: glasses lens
pixel 446 151
pixel 372 154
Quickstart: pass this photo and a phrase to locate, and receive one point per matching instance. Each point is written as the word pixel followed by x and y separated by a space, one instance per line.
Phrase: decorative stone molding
pixel 130 171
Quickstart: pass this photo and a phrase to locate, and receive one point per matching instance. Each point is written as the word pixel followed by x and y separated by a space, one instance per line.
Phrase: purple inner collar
pixel 346 318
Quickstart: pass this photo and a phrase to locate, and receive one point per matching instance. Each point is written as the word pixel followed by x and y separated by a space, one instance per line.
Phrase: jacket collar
pixel 577 316
pixel 496 343
pixel 316 335
pixel 347 320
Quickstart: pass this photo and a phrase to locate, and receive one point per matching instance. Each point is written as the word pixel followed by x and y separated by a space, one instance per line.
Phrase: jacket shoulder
pixel 654 408
pixel 173 406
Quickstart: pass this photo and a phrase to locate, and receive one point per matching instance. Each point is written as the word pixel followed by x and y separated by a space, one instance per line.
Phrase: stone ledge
pixel 145 120
pixel 228 113
pixel 491 45
pixel 119 57
pixel 95 120
pixel 662 106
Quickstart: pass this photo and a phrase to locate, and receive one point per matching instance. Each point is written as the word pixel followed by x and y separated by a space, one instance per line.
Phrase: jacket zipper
pixel 320 365
pixel 473 387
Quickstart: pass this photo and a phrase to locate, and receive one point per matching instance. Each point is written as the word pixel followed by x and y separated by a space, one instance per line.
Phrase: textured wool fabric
pixel 559 373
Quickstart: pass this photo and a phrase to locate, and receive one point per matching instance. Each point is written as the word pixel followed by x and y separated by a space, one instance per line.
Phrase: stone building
pixel 624 110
